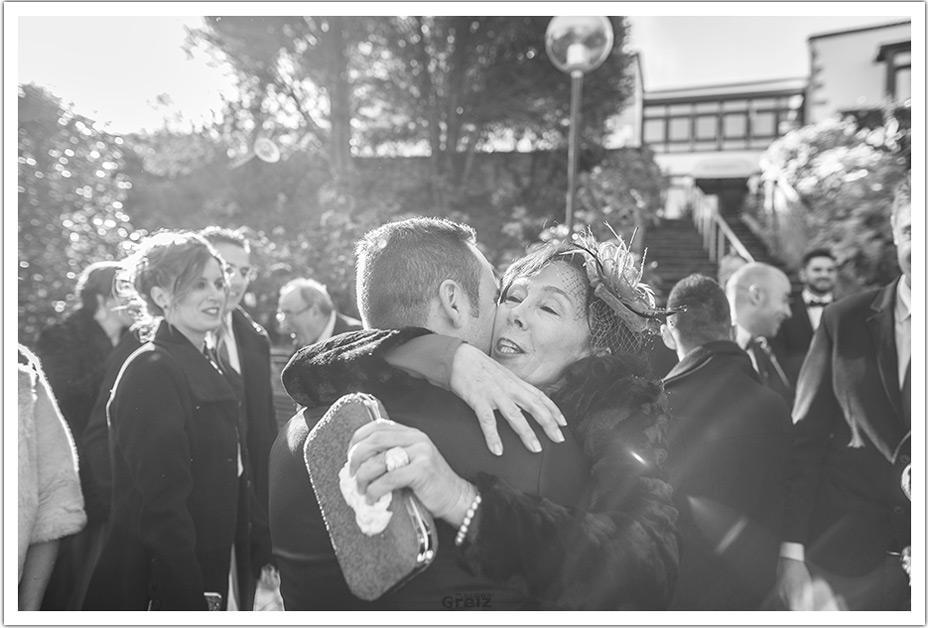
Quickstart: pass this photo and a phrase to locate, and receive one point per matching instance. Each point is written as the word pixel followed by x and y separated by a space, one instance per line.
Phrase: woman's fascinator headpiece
pixel 620 299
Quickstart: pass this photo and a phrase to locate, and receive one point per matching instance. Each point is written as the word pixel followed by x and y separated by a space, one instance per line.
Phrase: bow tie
pixel 817 303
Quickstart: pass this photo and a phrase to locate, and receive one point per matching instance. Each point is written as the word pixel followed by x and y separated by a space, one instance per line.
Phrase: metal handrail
pixel 717 237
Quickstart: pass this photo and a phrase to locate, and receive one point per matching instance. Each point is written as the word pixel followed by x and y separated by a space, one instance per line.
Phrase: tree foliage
pixel 444 86
pixel 844 173
pixel 72 188
pixel 376 118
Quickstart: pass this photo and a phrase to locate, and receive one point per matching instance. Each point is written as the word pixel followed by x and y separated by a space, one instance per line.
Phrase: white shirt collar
pixel 742 336
pixel 807 296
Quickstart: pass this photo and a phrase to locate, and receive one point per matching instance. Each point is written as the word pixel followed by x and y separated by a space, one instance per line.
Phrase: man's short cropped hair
pixel 402 264
pixel 707 316
pixel 815 253
pixel 221 235
pixel 312 292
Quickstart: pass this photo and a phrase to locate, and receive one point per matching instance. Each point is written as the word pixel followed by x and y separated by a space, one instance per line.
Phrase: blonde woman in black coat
pixel 181 487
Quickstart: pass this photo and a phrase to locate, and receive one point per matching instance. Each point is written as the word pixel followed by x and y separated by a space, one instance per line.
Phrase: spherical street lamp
pixel 577 45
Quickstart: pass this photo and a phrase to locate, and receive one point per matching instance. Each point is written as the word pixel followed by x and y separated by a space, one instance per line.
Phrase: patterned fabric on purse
pixel 372 564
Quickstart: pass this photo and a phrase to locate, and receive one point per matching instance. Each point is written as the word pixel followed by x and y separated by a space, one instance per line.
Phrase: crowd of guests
pixel 160 468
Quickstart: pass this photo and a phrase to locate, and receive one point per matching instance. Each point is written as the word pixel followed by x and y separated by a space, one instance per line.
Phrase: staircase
pixel 675 250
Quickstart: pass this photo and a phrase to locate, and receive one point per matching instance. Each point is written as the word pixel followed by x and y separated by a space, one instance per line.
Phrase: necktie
pixel 769 367
pixel 817 303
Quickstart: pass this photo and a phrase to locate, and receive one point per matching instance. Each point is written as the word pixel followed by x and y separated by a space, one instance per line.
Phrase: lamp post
pixel 576 45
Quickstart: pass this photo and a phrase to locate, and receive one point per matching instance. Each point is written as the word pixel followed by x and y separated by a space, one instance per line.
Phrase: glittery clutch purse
pixel 372 564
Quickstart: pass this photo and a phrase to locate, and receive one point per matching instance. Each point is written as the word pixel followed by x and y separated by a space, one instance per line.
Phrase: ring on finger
pixel 395 457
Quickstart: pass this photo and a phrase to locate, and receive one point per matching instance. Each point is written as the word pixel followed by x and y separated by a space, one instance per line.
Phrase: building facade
pixel 712 137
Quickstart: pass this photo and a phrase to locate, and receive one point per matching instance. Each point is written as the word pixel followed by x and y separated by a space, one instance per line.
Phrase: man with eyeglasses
pixel 306 312
pixel 243 346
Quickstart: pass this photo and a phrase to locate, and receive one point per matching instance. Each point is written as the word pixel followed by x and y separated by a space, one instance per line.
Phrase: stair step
pixel 677 249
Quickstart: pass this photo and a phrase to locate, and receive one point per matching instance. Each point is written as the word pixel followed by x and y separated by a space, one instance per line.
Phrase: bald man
pixel 758 295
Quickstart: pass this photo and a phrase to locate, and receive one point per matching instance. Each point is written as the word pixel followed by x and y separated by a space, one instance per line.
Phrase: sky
pixel 113 69
pixel 679 51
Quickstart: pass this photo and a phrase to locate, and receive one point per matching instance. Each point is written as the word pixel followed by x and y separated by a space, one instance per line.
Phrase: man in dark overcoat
pixel 452 292
pixel 244 347
pixel 727 456
pixel 847 518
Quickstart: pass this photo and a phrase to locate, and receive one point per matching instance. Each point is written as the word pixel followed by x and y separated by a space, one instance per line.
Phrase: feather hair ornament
pixel 616 279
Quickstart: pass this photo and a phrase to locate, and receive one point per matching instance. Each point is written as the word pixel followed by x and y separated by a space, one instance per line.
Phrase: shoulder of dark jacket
pixel 172 351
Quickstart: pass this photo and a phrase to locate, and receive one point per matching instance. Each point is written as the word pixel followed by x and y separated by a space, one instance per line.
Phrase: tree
pixel 624 191
pixel 475 80
pixel 447 86
pixel 71 192
pixel 293 75
pixel 843 174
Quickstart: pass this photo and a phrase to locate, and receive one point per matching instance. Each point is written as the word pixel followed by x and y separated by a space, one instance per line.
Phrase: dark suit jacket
pixel 310 575
pixel 845 502
pixel 73 354
pixel 727 456
pixel 178 503
pixel 254 352
pixel 793 339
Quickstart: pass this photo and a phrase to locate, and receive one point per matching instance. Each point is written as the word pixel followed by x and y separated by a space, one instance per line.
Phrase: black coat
pixel 73 354
pixel 93 446
pixel 845 502
pixel 178 502
pixel 254 352
pixel 549 537
pixel 727 456
pixel 254 357
pixel 791 344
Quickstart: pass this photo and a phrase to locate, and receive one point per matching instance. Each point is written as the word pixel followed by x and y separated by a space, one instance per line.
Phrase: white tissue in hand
pixel 371 518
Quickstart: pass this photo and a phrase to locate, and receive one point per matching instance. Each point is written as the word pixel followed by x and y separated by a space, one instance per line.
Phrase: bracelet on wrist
pixel 468 519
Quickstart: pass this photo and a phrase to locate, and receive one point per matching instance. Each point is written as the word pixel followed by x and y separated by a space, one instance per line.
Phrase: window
pixel 734 105
pixel 655 111
pixel 706 127
pixel 763 103
pixel 707 107
pixel 679 129
pixel 734 125
pixel 763 124
pixel 654 131
pixel 898 59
